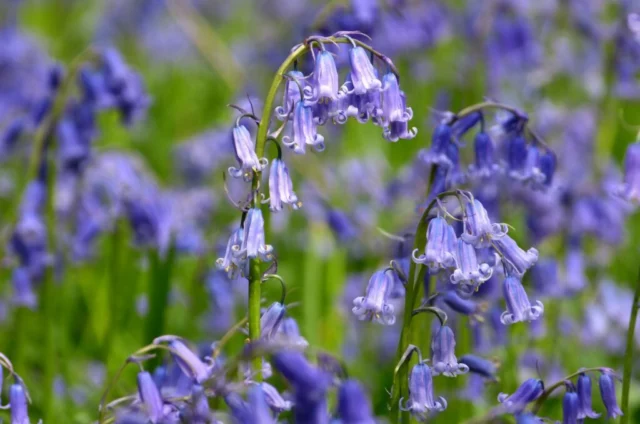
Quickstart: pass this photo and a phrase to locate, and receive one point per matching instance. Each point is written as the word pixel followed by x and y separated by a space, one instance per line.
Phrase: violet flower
pixel 18 404
pixel 354 406
pixel 485 165
pixel 325 85
pixel 528 391
pixel 608 394
pixel 374 305
pixel 150 397
pixel 271 319
pixel 518 306
pixel 363 74
pixel 443 356
pixel 395 113
pixel 584 398
pixel 275 401
pixel 253 244
pixel 292 94
pixel 478 228
pixel 304 131
pixel 229 263
pixel 479 365
pixel 280 187
pixel 570 405
pixel 421 399
pixel 468 270
pixel 245 150
pixel 516 259
pixel 440 249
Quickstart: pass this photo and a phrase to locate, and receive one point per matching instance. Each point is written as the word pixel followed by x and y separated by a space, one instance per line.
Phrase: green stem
pixel 628 356
pixel 159 288
pixel 255 279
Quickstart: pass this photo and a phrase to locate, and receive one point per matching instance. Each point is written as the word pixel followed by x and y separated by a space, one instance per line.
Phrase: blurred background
pixel 164 140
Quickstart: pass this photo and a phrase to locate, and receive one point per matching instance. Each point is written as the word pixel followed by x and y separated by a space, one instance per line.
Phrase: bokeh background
pixel 571 65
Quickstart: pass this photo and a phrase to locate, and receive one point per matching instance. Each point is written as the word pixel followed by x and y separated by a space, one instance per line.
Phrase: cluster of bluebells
pixel 576 403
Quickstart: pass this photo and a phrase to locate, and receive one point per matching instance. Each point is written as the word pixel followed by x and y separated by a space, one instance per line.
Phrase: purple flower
pixel 518 306
pixel 18 404
pixel 608 394
pixel 440 141
pixel 363 74
pixel 271 319
pixel 354 406
pixel 544 277
pixel 374 305
pixel 325 85
pixel 480 366
pixel 529 391
pixel 516 259
pixel 478 228
pixel 280 187
pixel 229 263
pixel 289 331
pixel 631 188
pixel 274 399
pixel 292 94
pixel 395 113
pixel 547 166
pixel 190 364
pixel 421 399
pixel 310 386
pixel 304 130
pixel 440 249
pixel 245 151
pixel 443 356
pixel 584 398
pixel 460 305
pixel 485 165
pixel 150 397
pixel 570 406
pixel 253 245
pixel 468 270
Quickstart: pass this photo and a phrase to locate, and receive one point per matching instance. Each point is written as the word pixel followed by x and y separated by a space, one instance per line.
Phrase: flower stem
pixel 628 356
pixel 255 279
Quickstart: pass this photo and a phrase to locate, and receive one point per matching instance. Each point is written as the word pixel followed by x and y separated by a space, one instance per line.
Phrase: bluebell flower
pixel 528 418
pixel 229 263
pixel 570 405
pixel 18 404
pixel 464 124
pixel 518 306
pixel 395 113
pixel 292 94
pixel 310 386
pixel 354 406
pixel 547 166
pixel 289 331
pixel 479 365
pixel 440 250
pixel 440 141
pixel 478 228
pixel 271 319
pixel 253 244
pixel 517 153
pixel 363 74
pixel 190 364
pixel 421 399
pixel 255 410
pixel 544 277
pixel 245 150
pixel 584 398
pixel 485 165
pixel 199 412
pixel 304 130
pixel 608 394
pixel 11 135
pixel 273 398
pixel 575 276
pixel 325 85
pixel 516 260
pixel 460 305
pixel 630 190
pixel 443 358
pixel 280 187
pixel 23 294
pixel 468 271
pixel 374 305
pixel 528 391
pixel 341 224
pixel 150 397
